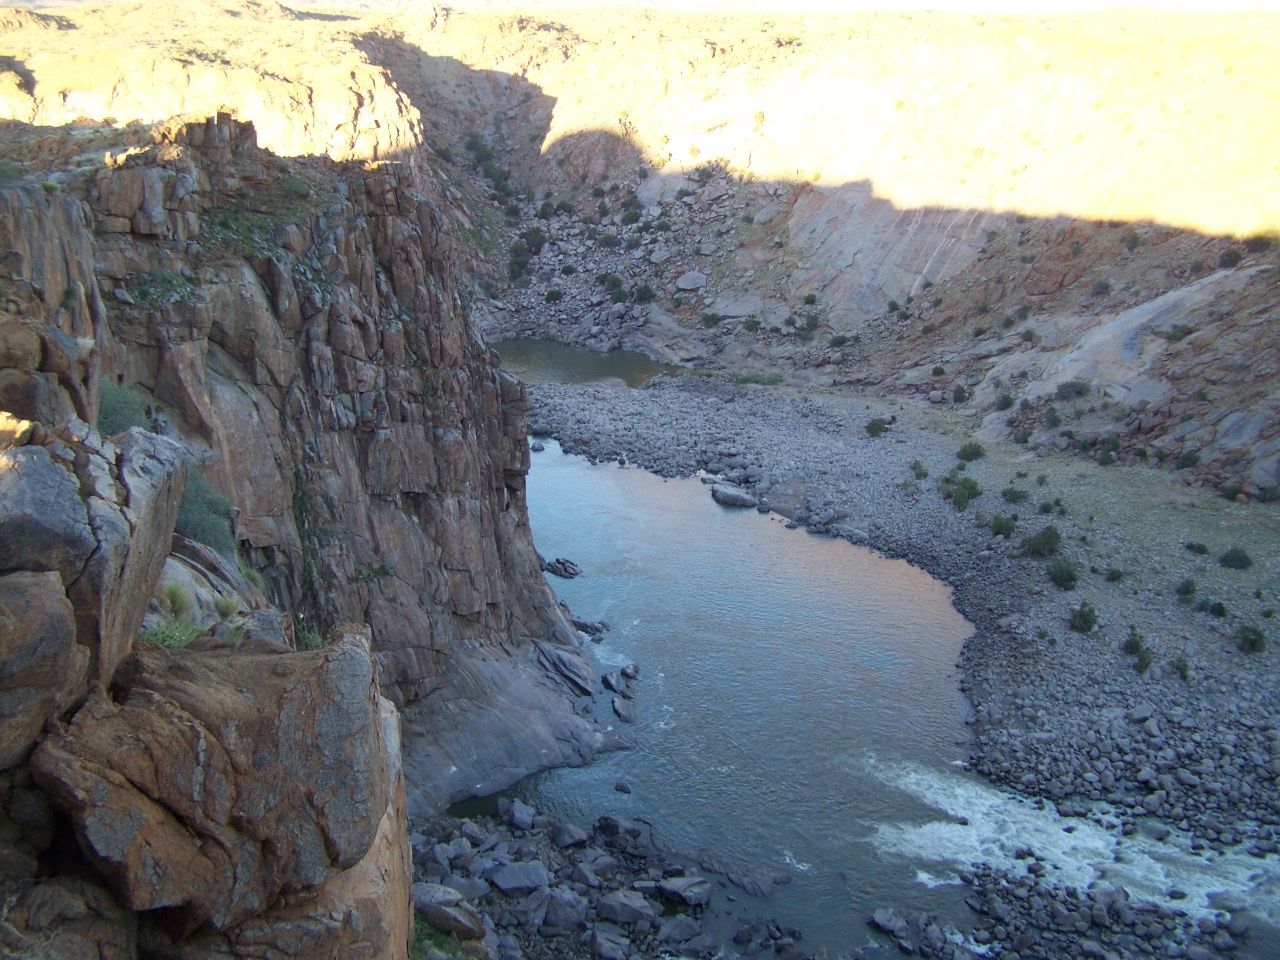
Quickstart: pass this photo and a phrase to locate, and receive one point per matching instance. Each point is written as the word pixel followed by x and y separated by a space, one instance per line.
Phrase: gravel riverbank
pixel 1153 720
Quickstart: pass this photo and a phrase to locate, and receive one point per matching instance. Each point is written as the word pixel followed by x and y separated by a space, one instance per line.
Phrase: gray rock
pixel 566 910
pixel 520 877
pixel 459 920
pixel 693 280
pixel 692 890
pixel 679 929
pixel 626 906
pixel 429 894
pixel 565 835
pixel 730 496
pixel 609 943
pixel 521 815
pixel 624 709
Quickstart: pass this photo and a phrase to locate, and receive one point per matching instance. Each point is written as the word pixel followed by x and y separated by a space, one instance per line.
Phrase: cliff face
pixel 298 333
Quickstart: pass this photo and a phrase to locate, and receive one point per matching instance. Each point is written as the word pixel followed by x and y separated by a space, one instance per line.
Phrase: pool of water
pixel 799 710
pixel 546 361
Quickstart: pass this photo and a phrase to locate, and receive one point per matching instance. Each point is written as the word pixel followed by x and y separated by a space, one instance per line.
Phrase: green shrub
pixel 177 601
pixel 1144 660
pixel 204 514
pixel 631 216
pixel 1083 618
pixel 839 340
pixel 1230 257
pixel 555 295
pixel 1133 643
pixel 958 395
pixel 1072 390
pixel 172 633
pixel 1216 608
pixel 938 371
pixel 876 426
pixel 1101 288
pixel 918 470
pixel 1199 549
pixel 120 408
pixel 751 324
pixel 1003 526
pixel 960 491
pixel 568 270
pixel 644 293
pixel 226 606
pixel 1014 495
pixel 711 319
pixel 1063 573
pixel 971 451
pixel 1187 460
pixel 1042 544
pixel 761 379
pixel 1251 639
pixel 1183 667
pixel 1114 575
pixel 1236 559
pixel 1185 590
pixel 810 299
pixel 1004 401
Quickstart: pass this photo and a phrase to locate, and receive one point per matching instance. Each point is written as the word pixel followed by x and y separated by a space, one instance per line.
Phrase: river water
pixel 799 710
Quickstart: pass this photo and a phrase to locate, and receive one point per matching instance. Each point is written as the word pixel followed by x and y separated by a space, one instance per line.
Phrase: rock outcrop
pixel 294 338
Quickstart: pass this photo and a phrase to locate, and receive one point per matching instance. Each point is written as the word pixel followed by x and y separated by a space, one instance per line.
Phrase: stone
pixel 626 907
pixel 679 929
pixel 521 815
pixel 609 943
pixel 210 782
pixel 429 894
pixel 566 910
pixel 520 877
pixel 457 920
pixel 691 280
pixel 691 890
pixel 42 668
pixel 624 709
pixel 70 919
pixel 730 496
pixel 565 835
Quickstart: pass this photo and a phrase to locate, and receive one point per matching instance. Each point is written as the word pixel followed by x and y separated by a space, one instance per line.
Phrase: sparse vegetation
pixel 1083 618
pixel 1199 549
pixel 961 491
pixel 554 295
pixel 1042 544
pixel 1101 288
pixel 1002 526
pixel 810 299
pixel 918 470
pixel 958 395
pixel 1014 495
pixel 1063 573
pixel 876 426
pixel 771 379
pixel 120 408
pixel 1236 559
pixel 204 514
pixel 971 451
pixel 938 371
pixel 171 633
pixel 1251 639
pixel 1230 257
pixel 1004 401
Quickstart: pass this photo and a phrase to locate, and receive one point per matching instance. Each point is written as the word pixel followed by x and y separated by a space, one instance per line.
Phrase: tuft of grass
pixel 1042 544
pixel 1014 495
pixel 1083 618
pixel 554 295
pixel 770 379
pixel 919 470
pixel 1183 667
pixel 1251 639
pixel 1002 526
pixel 120 408
pixel 1114 575
pixel 1185 590
pixel 173 634
pixel 971 451
pixel 177 601
pixel 1199 549
pixel 876 426
pixel 226 606
pixel 1063 573
pixel 961 491
pixel 204 514
pixel 1236 559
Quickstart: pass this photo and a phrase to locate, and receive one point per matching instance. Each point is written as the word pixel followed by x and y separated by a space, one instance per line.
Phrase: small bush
pixel 204 514
pixel 1003 526
pixel 1043 544
pixel 1072 390
pixel 226 606
pixel 568 270
pixel 1133 643
pixel 1144 660
pixel 1063 573
pixel 555 295
pixel 971 451
pixel 711 319
pixel 120 408
pixel 644 293
pixel 839 340
pixel 810 299
pixel 938 371
pixel 1083 618
pixel 1187 460
pixel 961 491
pixel 177 601
pixel 1114 575
pixel 1185 590
pixel 918 470
pixel 173 634
pixel 1216 608
pixel 1183 667
pixel 761 379
pixel 1004 401
pixel 1251 639
pixel 876 426
pixel 1101 288
pixel 1052 419
pixel 1014 495
pixel 1230 257
pixel 1236 559
pixel 1199 549
pixel 958 395
pixel 1258 243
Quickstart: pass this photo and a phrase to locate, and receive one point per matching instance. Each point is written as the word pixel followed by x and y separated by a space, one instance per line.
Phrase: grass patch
pixel 770 379
pixel 1042 544
pixel 1251 639
pixel 172 633
pixel 120 408
pixel 1236 559
pixel 961 491
pixel 204 514
pixel 1083 618
pixel 876 426
pixel 1014 495
pixel 919 470
pixel 1063 573
pixel 1003 526
pixel 971 451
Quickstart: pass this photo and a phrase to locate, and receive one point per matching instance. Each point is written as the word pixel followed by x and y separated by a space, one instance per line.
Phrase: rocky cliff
pixel 295 337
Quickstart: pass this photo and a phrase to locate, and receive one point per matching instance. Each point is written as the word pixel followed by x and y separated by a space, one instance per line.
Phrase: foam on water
pixel 999 823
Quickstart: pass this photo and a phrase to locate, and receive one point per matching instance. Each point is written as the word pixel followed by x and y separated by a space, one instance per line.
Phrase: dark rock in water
pixel 537 447
pixel 592 628
pixel 631 671
pixel 692 890
pixel 890 921
pixel 622 786
pixel 568 835
pixel 625 709
pixel 613 682
pixel 679 929
pixel 562 567
pixel 730 496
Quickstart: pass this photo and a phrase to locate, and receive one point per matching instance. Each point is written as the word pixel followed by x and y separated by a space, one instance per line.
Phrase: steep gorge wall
pixel 299 332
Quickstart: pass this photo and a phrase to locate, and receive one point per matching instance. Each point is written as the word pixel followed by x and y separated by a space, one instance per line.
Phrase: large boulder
pixel 42 668
pixel 212 782
pixel 67 918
